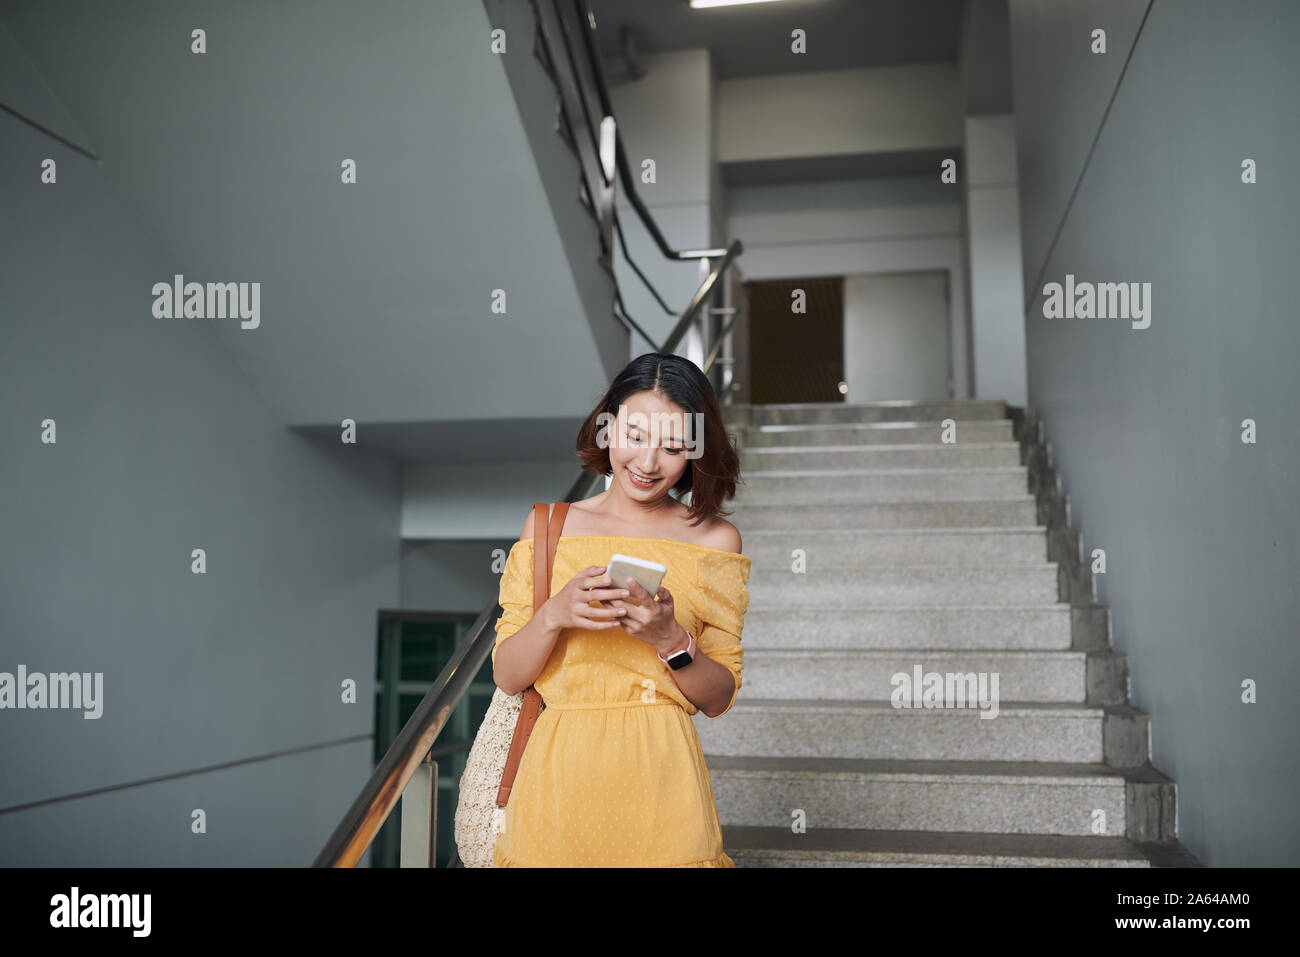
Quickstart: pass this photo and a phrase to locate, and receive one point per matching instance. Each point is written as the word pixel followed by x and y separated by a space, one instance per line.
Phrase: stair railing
pixel 566 44
pixel 568 48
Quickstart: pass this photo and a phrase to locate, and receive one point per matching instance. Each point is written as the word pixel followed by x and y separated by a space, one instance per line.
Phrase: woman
pixel 613 774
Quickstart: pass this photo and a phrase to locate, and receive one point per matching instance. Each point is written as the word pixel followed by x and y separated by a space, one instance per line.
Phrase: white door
pixel 897 343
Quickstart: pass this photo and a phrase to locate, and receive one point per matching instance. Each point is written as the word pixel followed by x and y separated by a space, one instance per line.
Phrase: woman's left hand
pixel 653 622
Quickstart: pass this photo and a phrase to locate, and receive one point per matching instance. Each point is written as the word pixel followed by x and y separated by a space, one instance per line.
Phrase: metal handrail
pixel 717 346
pixel 587 21
pixel 572 89
pixel 591 72
pixel 701 294
pixel 383 789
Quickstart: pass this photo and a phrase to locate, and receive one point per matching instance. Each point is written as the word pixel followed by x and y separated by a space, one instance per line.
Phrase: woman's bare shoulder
pixel 583 519
pixel 723 535
pixel 579 520
pixel 711 533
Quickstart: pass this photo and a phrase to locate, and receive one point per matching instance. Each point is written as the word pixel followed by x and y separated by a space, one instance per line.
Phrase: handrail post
pixel 723 351
pixel 608 151
pixel 697 344
pixel 707 287
pixel 420 817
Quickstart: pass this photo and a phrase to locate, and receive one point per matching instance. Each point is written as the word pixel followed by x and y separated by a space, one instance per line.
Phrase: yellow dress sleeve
pixel 723 582
pixel 516 593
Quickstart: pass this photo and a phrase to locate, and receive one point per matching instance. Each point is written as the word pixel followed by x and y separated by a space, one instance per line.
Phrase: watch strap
pixel 690 649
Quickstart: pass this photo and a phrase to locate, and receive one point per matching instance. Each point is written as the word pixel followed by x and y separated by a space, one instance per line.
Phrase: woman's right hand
pixel 569 608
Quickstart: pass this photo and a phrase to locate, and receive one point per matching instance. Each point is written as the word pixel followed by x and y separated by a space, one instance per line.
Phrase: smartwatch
pixel 682 657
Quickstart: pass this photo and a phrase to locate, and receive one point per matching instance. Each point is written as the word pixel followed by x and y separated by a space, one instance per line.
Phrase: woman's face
pixel 650 441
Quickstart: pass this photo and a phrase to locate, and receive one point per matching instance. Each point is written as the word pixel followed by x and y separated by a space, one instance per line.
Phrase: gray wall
pixel 376 297
pixel 165 446
pixel 1200 530
pixel 453 575
pixel 857 227
pixel 529 259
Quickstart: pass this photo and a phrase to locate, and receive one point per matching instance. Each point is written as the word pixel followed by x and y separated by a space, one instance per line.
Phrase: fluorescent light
pixel 703 4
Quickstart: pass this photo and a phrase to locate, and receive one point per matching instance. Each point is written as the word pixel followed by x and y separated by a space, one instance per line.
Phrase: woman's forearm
pixel 521 657
pixel 706 683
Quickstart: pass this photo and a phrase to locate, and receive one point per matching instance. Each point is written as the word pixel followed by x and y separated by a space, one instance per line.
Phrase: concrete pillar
pixel 991 203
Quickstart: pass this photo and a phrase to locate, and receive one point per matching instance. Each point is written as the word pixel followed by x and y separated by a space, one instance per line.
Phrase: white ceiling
pixel 754 39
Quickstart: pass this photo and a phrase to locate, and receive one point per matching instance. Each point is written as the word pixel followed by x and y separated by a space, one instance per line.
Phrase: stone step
pixel 992 797
pixel 881 485
pixel 1028 584
pixel 1013 511
pixel 995 627
pixel 875 433
pixel 1020 731
pixel 878 548
pixel 885 411
pixel 965 455
pixel 1066 676
pixel 772 550
pixel 780 847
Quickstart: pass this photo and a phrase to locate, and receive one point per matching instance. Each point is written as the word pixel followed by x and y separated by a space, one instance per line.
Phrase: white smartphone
pixel 648 574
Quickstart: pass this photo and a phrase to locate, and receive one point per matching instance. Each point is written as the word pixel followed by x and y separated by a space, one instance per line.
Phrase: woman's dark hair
pixel 711 478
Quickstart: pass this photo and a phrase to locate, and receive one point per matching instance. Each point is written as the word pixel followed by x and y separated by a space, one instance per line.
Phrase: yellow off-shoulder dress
pixel 613 774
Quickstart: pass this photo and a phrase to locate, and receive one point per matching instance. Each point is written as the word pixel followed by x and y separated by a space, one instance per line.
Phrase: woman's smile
pixel 637 480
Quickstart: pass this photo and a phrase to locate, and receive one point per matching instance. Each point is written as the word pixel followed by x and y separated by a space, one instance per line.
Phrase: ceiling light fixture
pixel 704 4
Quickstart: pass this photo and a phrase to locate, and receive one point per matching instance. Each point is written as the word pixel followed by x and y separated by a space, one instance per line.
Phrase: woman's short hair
pixel 711 477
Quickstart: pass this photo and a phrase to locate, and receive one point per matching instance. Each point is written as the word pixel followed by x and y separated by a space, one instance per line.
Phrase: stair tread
pixel 875 447
pixel 847 842
pixel 1051 654
pixel 882 446
pixel 1046 708
pixel 914 530
pixel 1041 772
pixel 963 606
pixel 996 565
pixel 1018 497
pixel 903 470
pixel 877 404
pixel 888 424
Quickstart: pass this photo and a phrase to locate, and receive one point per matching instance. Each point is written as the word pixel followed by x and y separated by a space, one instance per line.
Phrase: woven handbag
pixel 499 744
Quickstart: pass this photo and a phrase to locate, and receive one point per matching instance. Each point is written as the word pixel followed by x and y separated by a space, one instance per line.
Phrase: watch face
pixel 679 660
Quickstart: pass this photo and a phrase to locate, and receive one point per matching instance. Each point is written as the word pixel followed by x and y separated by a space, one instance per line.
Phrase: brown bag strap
pixel 548 531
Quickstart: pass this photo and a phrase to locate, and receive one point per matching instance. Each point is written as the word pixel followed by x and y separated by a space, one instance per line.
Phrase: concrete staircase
pixel 957 558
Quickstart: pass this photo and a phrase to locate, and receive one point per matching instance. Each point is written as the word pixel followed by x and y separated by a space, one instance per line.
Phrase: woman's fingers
pixel 606 594
pixel 593 584
pixel 602 588
pixel 586 611
pixel 595 624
